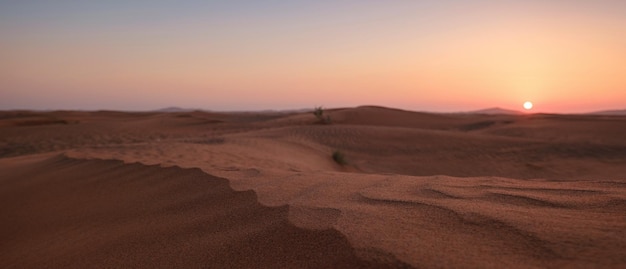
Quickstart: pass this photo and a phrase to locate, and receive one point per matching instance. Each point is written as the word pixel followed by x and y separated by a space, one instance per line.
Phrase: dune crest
pixel 71 213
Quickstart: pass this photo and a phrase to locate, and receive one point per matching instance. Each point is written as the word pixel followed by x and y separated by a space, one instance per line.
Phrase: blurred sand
pixel 421 190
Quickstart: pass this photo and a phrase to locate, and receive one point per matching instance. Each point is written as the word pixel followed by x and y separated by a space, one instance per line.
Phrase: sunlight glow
pixel 528 105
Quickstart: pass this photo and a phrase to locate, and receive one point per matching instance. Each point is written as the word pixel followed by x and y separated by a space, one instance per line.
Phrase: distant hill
pixel 496 111
pixel 617 112
pixel 173 109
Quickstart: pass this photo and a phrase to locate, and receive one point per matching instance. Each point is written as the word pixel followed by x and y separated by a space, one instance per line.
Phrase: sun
pixel 528 105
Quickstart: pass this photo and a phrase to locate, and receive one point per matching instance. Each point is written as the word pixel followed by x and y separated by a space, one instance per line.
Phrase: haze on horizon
pixel 564 56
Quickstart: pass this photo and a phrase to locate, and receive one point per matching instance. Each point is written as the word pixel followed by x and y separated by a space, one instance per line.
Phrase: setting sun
pixel 528 105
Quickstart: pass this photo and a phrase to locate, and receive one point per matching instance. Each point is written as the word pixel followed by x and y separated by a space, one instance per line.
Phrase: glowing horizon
pixel 428 55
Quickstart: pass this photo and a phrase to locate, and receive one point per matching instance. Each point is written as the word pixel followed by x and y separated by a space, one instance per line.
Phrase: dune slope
pixel 68 213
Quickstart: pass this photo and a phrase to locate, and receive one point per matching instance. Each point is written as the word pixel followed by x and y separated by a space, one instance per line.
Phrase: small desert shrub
pixel 319 114
pixel 339 158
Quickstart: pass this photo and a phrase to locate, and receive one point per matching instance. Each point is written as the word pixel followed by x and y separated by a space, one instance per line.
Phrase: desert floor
pixel 261 190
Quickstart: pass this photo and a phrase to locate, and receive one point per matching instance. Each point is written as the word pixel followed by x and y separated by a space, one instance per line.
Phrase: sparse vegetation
pixel 339 157
pixel 319 114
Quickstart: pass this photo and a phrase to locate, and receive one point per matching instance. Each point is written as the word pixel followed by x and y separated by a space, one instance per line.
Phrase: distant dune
pixel 261 190
pixel 174 109
pixel 610 112
pixel 496 111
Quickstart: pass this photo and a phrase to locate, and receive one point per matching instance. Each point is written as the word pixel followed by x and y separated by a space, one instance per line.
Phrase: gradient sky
pixel 440 55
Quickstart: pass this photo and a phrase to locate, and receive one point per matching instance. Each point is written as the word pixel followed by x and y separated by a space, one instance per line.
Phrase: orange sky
pixel 566 56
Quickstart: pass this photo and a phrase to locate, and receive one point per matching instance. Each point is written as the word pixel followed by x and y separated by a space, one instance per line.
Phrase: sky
pixel 439 55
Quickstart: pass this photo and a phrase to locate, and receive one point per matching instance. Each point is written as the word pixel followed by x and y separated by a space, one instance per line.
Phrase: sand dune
pixel 68 213
pixel 422 190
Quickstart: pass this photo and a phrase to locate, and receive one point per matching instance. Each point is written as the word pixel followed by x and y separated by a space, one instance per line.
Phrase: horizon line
pixel 176 109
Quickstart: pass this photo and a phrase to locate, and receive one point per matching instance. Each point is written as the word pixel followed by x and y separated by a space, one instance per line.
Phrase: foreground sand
pixel 420 190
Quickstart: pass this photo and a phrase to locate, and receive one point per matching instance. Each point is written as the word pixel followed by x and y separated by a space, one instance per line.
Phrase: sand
pixel 260 190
